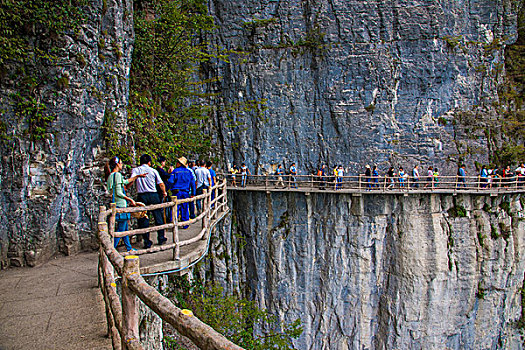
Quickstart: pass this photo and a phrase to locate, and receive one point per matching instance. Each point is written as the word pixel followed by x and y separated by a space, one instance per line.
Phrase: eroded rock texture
pixel 380 271
pixel 50 189
pixel 356 82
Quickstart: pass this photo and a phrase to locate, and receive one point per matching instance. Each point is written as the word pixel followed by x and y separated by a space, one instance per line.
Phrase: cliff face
pixel 380 271
pixel 50 189
pixel 356 82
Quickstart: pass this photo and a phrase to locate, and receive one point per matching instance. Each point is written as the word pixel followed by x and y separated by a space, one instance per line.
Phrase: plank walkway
pixel 57 305
pixel 161 261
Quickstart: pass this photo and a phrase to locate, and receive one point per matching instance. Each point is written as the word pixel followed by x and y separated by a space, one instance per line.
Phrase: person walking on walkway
pixel 280 172
pixel 436 178
pixel 147 194
pixel 484 177
pixel 191 205
pixel 340 172
pixel 375 176
pixel 115 185
pixel 293 174
pixel 368 177
pixel 213 176
pixel 234 171
pixel 415 176
pixel 182 185
pixel 244 174
pixel 391 177
pixel 164 175
pixel 462 176
pixel 430 177
pixel 402 177
pixel 321 174
pixel 203 181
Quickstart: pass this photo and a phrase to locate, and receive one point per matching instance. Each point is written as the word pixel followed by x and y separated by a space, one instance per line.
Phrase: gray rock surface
pixel 357 82
pixel 380 271
pixel 51 189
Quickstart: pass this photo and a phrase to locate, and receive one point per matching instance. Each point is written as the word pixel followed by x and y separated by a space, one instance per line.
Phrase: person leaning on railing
pixel 147 194
pixel 520 172
pixel 116 183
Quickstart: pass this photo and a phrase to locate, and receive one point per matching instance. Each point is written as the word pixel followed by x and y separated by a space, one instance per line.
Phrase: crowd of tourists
pixel 392 178
pixel 157 185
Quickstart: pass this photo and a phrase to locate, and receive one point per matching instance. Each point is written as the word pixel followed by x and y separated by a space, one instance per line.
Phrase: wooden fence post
pixel 130 310
pixel 225 197
pixel 206 209
pixel 112 218
pixel 175 221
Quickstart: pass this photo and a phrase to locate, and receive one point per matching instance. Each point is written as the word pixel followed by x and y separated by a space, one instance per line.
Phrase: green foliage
pixel 25 59
pixel 63 82
pixel 171 343
pixel 521 321
pixel 168 109
pixel 235 318
pixel 258 23
pixel 31 110
pixel 505 206
pixel 452 41
pixel 494 232
pixel 457 211
pixel 20 20
pixel 480 294
pixel 481 238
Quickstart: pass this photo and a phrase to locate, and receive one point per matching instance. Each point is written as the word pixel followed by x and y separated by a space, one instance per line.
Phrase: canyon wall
pixel 423 271
pixel 51 187
pixel 357 82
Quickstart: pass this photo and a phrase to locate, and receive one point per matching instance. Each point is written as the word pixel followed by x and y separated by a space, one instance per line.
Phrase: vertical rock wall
pixel 355 82
pixel 50 189
pixel 380 271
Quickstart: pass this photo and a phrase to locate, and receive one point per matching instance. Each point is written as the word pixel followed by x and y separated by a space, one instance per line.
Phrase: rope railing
pixel 362 183
pixel 122 312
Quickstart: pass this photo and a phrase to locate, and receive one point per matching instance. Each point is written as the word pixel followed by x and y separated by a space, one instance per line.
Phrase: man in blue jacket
pixel 180 183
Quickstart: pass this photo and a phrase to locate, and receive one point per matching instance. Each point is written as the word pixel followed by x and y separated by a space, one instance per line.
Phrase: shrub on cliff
pixel 240 320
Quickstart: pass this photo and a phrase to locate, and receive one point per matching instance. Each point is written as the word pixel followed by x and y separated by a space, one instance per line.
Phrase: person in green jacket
pixel 116 183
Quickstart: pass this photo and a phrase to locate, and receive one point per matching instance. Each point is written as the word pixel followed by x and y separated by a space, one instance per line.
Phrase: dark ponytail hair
pixel 110 166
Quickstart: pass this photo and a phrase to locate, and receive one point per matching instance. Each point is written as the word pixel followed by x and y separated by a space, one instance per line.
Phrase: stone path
pixel 54 306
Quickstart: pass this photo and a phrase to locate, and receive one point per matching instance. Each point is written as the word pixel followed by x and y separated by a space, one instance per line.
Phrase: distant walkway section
pixel 54 306
pixel 381 184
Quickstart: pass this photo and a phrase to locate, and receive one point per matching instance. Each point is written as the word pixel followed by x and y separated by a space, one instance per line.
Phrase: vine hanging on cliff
pixel 30 32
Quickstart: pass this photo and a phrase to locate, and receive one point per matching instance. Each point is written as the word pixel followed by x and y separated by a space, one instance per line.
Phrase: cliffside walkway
pixel 375 185
pixel 122 280
pixel 53 306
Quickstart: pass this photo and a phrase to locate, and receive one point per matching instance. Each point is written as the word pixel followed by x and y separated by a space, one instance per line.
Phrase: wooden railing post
pixel 175 221
pixel 225 197
pixel 111 224
pixel 205 207
pixel 130 310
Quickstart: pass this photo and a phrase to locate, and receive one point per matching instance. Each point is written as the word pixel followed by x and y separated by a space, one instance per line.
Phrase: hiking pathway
pixel 57 305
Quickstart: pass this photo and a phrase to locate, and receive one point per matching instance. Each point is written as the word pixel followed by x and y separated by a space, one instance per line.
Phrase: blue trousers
pixel 122 225
pixel 183 209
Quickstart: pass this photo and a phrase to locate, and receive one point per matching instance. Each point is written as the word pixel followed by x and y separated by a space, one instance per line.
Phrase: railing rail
pixel 122 313
pixel 363 183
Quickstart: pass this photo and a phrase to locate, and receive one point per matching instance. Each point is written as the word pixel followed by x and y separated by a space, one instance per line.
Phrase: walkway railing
pixel 362 183
pixel 122 313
